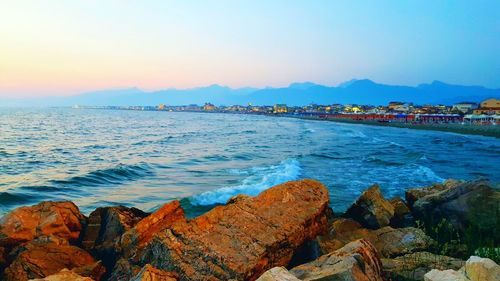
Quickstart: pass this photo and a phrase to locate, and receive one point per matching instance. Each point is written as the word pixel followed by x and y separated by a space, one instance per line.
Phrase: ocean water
pixel 144 159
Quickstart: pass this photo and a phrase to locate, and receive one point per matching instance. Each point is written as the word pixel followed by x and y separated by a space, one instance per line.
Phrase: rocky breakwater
pixel 261 238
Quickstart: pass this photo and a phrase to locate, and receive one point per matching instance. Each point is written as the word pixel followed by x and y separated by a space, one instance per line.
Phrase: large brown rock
pixel 388 241
pixel 277 274
pixel 468 206
pixel 356 261
pixel 39 259
pixel 64 275
pixel 412 195
pixel 149 273
pixel 402 214
pixel 107 224
pixel 371 209
pixel 478 269
pixel 243 239
pixel 415 265
pixel 61 219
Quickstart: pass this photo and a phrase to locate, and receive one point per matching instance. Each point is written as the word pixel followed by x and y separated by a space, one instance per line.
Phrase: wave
pixel 115 175
pixel 260 179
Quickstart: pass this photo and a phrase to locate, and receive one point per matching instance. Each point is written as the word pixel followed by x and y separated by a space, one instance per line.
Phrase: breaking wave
pixel 260 179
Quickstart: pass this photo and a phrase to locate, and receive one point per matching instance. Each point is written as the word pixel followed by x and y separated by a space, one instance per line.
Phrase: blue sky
pixel 69 47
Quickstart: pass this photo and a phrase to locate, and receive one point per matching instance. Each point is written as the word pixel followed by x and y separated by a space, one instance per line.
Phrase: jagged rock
pixel 389 242
pixel 478 269
pixel 243 239
pixel 277 274
pixel 356 261
pixel 470 205
pixel 149 273
pixel 415 265
pixel 64 275
pixel 38 259
pixel 61 219
pixel 412 195
pixel 402 215
pixel 444 275
pixel 371 209
pixel 107 224
pixel 124 270
pixel 95 270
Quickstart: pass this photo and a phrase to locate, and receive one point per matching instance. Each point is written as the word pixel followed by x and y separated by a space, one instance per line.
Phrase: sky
pixel 57 48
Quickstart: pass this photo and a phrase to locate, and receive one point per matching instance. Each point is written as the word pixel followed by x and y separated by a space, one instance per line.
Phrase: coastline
pixel 465 129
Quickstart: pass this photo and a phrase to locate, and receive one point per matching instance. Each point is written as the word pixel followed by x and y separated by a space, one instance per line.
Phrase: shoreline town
pixel 463 118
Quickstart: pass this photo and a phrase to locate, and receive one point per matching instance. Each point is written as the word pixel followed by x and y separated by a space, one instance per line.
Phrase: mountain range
pixel 355 91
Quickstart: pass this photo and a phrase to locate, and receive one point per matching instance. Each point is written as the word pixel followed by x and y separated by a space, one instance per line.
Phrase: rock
pixel 478 269
pixel 371 209
pixel 38 260
pixel 149 273
pixel 95 270
pixel 277 274
pixel 444 275
pixel 124 270
pixel 107 224
pixel 3 258
pixel 64 275
pixel 356 261
pixel 412 195
pixel 243 239
pixel 388 241
pixel 142 233
pixel 61 219
pixel 414 266
pixel 402 215
pixel 470 206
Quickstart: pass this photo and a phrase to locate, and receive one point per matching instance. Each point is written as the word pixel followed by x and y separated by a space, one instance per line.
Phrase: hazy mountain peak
pixel 302 85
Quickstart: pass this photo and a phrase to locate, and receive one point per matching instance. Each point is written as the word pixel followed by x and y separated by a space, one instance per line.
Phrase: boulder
pixel 445 275
pixel 402 214
pixel 412 195
pixel 142 233
pixel 477 269
pixel 106 224
pixel 243 239
pixel 149 273
pixel 38 259
pixel 356 261
pixel 469 206
pixel 64 275
pixel 414 266
pixel 371 209
pixel 124 270
pixel 61 219
pixel 95 270
pixel 388 241
pixel 277 274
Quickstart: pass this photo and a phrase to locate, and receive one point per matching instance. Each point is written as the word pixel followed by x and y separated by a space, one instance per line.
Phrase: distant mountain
pixel 363 91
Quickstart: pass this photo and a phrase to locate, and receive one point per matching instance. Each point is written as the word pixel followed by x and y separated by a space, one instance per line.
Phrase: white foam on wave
pixel 260 179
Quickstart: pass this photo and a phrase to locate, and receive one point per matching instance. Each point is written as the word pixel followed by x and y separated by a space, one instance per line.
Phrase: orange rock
pixel 149 273
pixel 245 238
pixel 61 219
pixel 38 260
pixel 371 209
pixel 356 261
pixel 64 275
pixel 402 214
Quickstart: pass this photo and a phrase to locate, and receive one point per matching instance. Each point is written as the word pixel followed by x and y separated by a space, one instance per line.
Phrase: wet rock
pixel 477 269
pixel 61 219
pixel 412 195
pixel 277 274
pixel 402 215
pixel 64 275
pixel 243 239
pixel 472 206
pixel 415 265
pixel 371 209
pixel 142 233
pixel 38 259
pixel 389 242
pixel 149 273
pixel 107 224
pixel 356 261
pixel 444 275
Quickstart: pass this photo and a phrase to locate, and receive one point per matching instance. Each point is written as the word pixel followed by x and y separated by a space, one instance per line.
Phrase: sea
pixel 144 159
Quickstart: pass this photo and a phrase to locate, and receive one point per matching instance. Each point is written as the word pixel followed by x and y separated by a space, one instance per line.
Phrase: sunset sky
pixel 69 47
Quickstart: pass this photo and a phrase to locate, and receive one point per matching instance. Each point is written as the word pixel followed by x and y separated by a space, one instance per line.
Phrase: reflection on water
pixel 143 159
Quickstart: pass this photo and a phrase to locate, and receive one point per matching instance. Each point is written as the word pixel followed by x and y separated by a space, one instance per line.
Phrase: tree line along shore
pixel 447 231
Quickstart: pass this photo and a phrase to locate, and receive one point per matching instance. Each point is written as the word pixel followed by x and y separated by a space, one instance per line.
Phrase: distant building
pixel 393 104
pixel 209 107
pixel 161 106
pixel 280 108
pixel 489 107
pixel 465 106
